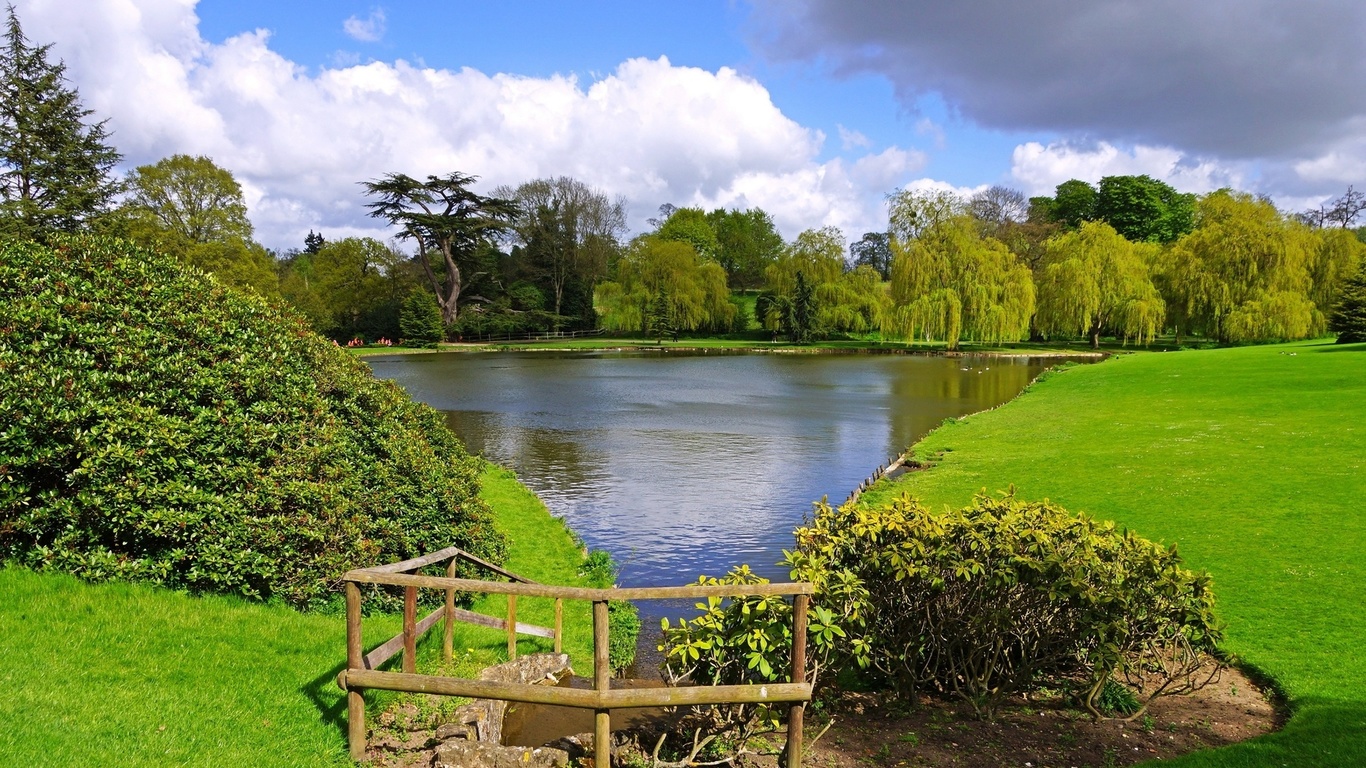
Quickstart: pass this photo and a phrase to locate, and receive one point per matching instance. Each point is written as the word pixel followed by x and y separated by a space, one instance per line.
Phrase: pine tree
pixel 1349 317
pixel 54 167
pixel 420 320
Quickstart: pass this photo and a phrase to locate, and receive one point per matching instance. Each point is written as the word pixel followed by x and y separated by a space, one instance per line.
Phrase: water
pixel 688 464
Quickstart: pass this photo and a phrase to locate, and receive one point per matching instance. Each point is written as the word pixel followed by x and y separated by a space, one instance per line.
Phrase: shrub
pixel 982 603
pixel 161 427
pixel 420 320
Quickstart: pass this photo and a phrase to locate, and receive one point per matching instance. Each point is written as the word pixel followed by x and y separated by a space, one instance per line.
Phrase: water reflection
pixel 681 465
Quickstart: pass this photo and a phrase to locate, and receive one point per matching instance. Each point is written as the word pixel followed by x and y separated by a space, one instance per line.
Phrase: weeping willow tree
pixel 950 283
pixel 1338 256
pixel 1245 273
pixel 1093 280
pixel 661 278
pixel 840 301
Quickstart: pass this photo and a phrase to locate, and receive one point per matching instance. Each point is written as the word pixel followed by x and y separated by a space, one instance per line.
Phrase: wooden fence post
pixel 559 625
pixel 448 641
pixel 602 680
pixel 512 627
pixel 410 630
pixel 355 659
pixel 795 712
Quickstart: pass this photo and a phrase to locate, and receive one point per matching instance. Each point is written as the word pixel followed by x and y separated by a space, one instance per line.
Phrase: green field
pixel 1252 459
pixel 119 674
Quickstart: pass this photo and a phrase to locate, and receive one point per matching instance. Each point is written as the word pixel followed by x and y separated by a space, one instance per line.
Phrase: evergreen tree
pixel 313 242
pixel 54 167
pixel 420 320
pixel 1349 318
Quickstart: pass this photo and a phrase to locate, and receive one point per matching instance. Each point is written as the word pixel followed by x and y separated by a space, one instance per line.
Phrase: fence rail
pixel 362 669
pixel 529 335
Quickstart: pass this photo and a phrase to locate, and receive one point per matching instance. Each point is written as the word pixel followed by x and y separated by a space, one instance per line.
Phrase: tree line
pixel 1129 258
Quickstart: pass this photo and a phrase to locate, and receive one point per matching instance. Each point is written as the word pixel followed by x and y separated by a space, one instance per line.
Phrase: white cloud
pixel 1039 168
pixel 852 139
pixel 367 30
pixel 299 141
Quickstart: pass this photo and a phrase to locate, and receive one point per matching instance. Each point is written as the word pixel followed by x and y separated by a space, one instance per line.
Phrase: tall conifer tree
pixel 54 166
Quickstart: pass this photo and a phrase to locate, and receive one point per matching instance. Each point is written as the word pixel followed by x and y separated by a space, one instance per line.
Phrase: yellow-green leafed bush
pixel 981 603
pixel 162 427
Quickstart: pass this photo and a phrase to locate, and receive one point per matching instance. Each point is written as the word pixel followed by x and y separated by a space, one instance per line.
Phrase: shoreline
pixel 780 349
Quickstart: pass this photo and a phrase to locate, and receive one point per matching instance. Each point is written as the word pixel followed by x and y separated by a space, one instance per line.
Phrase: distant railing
pixel 529 336
pixel 362 669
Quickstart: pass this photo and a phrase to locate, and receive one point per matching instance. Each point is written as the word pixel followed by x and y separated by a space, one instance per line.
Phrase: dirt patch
pixel 1036 734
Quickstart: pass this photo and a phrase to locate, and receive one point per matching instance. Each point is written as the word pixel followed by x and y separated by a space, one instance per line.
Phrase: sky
pixel 813 110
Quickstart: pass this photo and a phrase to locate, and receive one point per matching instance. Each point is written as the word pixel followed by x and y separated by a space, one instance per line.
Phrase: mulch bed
pixel 1036 734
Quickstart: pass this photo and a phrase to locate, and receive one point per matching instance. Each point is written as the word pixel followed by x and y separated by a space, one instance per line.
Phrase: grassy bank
pixel 1254 460
pixel 118 674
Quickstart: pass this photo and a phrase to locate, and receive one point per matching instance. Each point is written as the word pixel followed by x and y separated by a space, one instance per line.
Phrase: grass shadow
pixel 331 709
pixel 1334 347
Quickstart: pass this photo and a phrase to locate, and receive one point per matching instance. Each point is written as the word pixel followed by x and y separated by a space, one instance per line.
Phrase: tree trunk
pixel 448 295
pixel 1095 336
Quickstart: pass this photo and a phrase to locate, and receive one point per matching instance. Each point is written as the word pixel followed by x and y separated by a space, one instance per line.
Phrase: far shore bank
pixel 704 346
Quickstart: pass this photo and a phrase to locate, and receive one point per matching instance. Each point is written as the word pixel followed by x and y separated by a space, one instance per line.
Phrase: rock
pixel 473 754
pixel 548 668
pixel 448 731
pixel 577 747
pixel 533 669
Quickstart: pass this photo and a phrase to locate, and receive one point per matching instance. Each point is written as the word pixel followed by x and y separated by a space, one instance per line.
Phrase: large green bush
pixel 981 603
pixel 161 427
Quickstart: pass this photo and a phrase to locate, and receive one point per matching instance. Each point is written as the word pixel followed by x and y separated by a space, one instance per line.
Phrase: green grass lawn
pixel 120 674
pixel 1253 460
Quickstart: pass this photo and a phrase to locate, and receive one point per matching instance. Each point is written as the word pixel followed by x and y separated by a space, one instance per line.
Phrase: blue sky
pixel 811 109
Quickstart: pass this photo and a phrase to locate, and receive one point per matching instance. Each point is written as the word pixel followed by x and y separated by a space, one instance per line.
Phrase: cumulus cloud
pixel 1274 79
pixel 367 30
pixel 1038 169
pixel 300 140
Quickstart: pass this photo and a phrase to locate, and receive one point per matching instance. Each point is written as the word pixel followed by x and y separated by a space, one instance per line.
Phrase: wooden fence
pixel 362 669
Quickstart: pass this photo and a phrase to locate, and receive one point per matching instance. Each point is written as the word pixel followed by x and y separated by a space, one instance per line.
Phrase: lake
pixel 686 464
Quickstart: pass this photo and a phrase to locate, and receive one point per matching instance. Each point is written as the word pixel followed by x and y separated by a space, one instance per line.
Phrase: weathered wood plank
pixel 579 593
pixel 403 566
pixel 501 572
pixel 602 683
pixel 573 697
pixel 393 645
pixel 355 702
pixel 493 622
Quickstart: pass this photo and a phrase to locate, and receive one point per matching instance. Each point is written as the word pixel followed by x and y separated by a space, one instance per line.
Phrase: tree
pixel 828 297
pixel 1343 211
pixel 1335 259
pixel 1244 272
pixel 690 225
pixel 950 282
pixel 693 290
pixel 996 206
pixel 1349 317
pixel 313 241
pixel 194 210
pixel 444 218
pixel 1144 209
pixel 1093 280
pixel 873 250
pixel 747 242
pixel 190 199
pixel 420 320
pixel 1074 201
pixel 569 232
pixel 54 166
